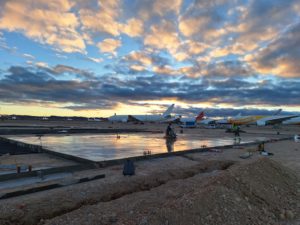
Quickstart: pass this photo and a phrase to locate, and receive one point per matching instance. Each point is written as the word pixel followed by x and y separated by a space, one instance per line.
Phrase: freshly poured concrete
pixel 99 147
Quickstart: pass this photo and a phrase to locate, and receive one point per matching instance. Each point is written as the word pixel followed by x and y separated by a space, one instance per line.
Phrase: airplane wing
pixel 295 120
pixel 273 120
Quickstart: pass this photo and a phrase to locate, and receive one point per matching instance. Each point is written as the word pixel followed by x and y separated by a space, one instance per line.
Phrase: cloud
pixel 140 57
pixel 219 51
pixel 133 28
pixel 228 69
pixel 281 57
pixel 42 85
pixel 61 69
pixel 263 21
pixel 28 56
pixel 42 64
pixel 137 68
pixel 151 9
pixel 96 60
pixel 163 36
pixel 103 19
pixel 204 20
pixel 192 26
pixel 39 85
pixel 5 47
pixel 189 49
pixel 196 48
pixel 140 62
pixel 46 22
pixel 181 56
pixel 162 7
pixel 166 69
pixel 236 48
pixel 109 45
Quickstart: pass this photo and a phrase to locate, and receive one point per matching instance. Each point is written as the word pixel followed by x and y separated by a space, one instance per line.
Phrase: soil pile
pixel 261 192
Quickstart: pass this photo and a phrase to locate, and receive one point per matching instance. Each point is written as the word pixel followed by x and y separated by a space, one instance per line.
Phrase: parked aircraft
pixel 272 120
pixel 242 120
pixel 223 121
pixel 199 117
pixel 143 118
pixel 191 122
pixel 210 121
pixel 94 119
pixel 295 121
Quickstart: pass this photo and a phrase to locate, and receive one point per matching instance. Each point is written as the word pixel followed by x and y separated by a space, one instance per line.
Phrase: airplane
pixel 292 121
pixel 243 120
pixel 223 121
pixel 272 120
pixel 214 121
pixel 191 122
pixel 144 118
pixel 94 119
pixel 208 121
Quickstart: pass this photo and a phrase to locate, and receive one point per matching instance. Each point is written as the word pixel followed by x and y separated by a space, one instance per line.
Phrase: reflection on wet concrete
pixel 170 144
pixel 100 147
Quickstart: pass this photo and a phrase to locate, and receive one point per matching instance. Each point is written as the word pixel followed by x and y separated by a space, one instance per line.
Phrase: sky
pixel 99 57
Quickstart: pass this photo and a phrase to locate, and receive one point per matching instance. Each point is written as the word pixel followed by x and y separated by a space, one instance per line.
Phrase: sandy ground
pixel 285 152
pixel 198 188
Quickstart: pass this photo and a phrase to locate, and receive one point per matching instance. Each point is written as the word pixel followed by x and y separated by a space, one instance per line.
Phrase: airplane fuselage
pixel 243 120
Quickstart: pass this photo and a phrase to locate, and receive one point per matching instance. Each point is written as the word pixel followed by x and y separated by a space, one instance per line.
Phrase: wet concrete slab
pixel 100 147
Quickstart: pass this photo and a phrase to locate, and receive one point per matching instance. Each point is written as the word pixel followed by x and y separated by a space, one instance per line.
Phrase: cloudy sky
pixel 97 57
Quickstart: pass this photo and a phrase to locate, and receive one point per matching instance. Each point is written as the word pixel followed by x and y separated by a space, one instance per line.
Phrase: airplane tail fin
pixel 277 112
pixel 168 111
pixel 200 116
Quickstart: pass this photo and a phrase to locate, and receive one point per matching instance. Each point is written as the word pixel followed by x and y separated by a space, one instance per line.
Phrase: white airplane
pixel 194 119
pixel 271 120
pixel 144 118
pixel 294 121
pixel 214 121
pixel 210 121
pixel 191 122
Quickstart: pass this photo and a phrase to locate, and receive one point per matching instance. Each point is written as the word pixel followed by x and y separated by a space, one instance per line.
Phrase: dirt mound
pixel 262 192
pixel 30 209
